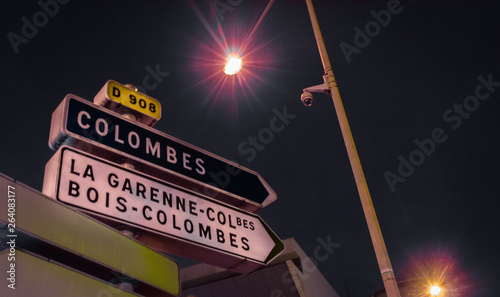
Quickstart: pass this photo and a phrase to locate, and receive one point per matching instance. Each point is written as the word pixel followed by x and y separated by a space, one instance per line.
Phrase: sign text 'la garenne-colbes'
pixel 91 183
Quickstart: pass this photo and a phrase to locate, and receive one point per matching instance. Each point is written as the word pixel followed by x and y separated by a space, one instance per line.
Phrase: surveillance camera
pixel 307 98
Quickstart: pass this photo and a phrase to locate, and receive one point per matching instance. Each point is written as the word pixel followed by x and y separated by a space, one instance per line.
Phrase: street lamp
pixel 435 290
pixel 233 65
pixel 330 87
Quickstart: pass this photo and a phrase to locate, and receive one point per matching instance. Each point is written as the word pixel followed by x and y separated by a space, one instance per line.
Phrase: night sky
pixel 422 86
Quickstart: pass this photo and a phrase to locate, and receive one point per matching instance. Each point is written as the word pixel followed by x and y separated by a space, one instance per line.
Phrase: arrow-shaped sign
pixel 77 122
pixel 118 194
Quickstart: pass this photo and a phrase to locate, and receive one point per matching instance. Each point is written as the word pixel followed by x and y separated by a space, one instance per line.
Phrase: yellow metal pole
pixel 391 286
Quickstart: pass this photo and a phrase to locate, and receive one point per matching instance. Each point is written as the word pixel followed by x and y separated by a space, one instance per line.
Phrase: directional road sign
pixel 77 122
pixel 118 194
pixel 54 231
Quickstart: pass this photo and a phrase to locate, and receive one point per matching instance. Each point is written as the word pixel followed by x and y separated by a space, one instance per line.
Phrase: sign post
pixel 166 193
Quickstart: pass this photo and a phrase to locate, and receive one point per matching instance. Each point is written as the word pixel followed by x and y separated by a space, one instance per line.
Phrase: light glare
pixel 233 65
pixel 435 290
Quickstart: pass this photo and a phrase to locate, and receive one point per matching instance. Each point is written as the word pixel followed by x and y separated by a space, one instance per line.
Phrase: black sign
pixel 85 121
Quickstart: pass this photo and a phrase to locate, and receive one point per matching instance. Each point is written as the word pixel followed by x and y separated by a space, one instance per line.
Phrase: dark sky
pixel 417 76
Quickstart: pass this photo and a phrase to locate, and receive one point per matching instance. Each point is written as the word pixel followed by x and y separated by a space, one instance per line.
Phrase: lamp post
pixel 330 87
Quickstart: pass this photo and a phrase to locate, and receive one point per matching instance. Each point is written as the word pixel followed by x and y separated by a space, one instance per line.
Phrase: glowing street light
pixel 233 65
pixel 435 290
